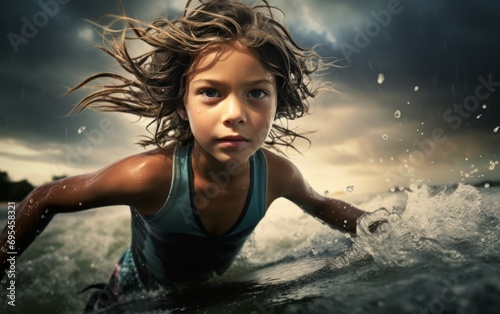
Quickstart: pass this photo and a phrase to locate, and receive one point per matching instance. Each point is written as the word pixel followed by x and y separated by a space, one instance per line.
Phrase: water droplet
pixel 478 116
pixel 350 188
pixel 31 201
pixel 345 221
pixel 496 129
pixel 80 204
pixel 484 106
pixel 64 187
pixel 397 114
pixel 393 189
pixel 492 165
pixel 81 129
pixel 416 88
pixel 380 78
pixel 486 185
pixel 385 136
pixel 408 103
pixel 326 193
pixel 43 216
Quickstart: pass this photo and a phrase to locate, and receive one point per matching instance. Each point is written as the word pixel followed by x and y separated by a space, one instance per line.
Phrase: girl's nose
pixel 234 111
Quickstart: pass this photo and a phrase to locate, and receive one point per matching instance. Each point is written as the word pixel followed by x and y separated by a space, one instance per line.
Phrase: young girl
pixel 218 82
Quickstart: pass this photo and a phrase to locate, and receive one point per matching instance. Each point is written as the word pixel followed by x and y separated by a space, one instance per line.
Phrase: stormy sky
pixel 417 90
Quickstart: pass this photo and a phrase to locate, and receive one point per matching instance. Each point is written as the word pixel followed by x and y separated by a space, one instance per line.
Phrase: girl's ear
pixel 182 112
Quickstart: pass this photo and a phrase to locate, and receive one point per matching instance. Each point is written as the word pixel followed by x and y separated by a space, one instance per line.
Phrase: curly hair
pixel 160 74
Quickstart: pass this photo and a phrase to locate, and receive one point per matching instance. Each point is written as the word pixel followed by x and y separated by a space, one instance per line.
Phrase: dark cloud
pixel 44 51
pixel 446 48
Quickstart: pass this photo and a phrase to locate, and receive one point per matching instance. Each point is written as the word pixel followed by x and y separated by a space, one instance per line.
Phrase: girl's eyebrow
pixel 218 82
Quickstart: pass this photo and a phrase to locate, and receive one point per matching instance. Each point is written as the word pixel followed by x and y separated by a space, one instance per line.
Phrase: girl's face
pixel 230 103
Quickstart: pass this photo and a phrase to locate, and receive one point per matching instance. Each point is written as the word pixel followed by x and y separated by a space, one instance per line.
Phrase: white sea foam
pixel 426 226
pixel 452 224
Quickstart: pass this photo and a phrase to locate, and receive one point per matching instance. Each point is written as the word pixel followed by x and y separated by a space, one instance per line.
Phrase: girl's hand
pixel 374 226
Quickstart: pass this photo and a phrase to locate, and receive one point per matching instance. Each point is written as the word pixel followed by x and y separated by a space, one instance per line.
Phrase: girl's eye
pixel 210 93
pixel 257 93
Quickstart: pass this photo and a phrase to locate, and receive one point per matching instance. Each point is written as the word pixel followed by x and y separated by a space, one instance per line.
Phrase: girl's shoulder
pixel 148 175
pixel 155 164
pixel 278 163
pixel 151 162
pixel 281 174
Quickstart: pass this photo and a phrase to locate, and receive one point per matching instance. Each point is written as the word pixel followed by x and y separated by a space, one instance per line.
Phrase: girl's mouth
pixel 233 141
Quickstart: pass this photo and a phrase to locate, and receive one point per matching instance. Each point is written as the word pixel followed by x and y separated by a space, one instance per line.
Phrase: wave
pixel 451 224
pixel 294 264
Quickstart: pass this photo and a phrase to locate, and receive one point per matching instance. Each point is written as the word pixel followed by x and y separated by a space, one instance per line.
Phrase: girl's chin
pixel 230 155
pixel 233 158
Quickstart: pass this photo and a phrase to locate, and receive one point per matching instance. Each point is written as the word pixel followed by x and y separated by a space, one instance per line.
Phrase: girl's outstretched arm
pixel 291 184
pixel 132 181
pixel 336 213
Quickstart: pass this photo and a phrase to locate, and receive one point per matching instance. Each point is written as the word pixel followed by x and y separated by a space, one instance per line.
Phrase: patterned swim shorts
pixel 124 283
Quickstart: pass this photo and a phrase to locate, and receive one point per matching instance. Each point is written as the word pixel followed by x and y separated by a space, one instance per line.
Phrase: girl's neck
pixel 205 166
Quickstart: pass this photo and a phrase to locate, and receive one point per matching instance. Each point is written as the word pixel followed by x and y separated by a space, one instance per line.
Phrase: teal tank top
pixel 173 246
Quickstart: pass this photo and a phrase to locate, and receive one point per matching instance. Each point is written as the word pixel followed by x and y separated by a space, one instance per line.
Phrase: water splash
pixel 380 78
pixel 450 225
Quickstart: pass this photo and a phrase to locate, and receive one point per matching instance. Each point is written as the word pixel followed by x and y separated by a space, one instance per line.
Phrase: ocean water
pixel 439 253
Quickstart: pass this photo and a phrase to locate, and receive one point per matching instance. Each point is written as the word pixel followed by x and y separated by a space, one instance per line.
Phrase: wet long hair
pixel 159 75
